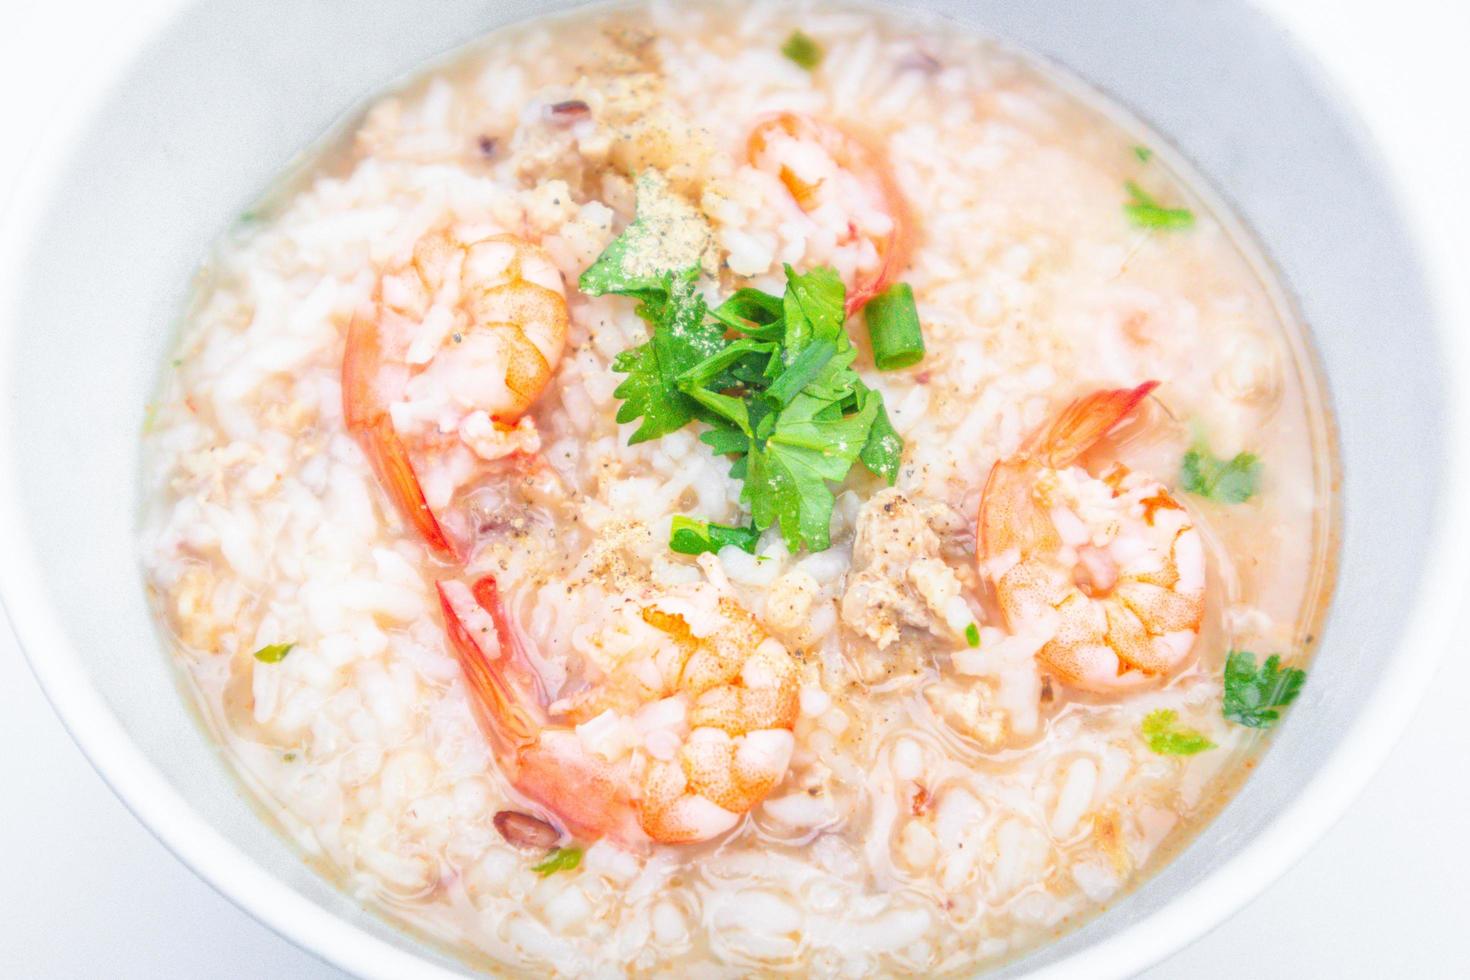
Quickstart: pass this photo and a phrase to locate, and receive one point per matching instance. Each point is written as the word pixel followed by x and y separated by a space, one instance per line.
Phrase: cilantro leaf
pixel 1145 212
pixel 1251 695
pixel 741 361
pixel 688 536
pixel 813 309
pixel 810 418
pixel 781 397
pixel 1232 481
pixel 1166 737
pixel 667 234
pixel 643 395
pixel 682 337
pixel 818 426
pixel 883 452
pixel 726 440
pixel 836 381
pixel 561 859
pixel 682 334
pixel 274 653
pixel 812 443
pixel 608 275
pixel 660 270
pixel 788 487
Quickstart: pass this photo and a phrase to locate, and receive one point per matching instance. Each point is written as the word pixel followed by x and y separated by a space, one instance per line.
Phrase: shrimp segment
pixel 1110 569
pixel 797 144
pixel 710 720
pixel 439 374
pixel 367 418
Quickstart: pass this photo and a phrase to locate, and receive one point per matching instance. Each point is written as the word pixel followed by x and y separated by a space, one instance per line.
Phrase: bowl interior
pixel 218 102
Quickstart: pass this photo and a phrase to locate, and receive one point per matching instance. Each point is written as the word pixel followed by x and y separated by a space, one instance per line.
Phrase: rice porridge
pixel 694 489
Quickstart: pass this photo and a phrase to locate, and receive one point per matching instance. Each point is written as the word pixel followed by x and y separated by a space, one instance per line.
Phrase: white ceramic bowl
pixel 191 114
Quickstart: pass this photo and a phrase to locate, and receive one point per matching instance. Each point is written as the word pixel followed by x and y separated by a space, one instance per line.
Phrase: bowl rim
pixel 145 792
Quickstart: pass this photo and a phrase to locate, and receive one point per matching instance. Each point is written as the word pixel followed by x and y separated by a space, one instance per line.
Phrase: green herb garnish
pixel 1232 481
pixel 1164 735
pixel 1252 695
pixel 972 635
pixel 779 394
pixel 1145 212
pixel 668 300
pixel 893 328
pixel 803 50
pixel 561 859
pixel 688 536
pixel 274 653
pixel 681 338
pixel 1143 153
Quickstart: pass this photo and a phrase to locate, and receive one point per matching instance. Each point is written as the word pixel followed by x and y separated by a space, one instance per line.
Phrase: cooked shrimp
pixel 439 373
pixel 1111 570
pixel 673 747
pixel 825 168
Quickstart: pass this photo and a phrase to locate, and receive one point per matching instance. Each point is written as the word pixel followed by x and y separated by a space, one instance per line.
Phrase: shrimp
pixel 1111 570
pixel 439 373
pixel 824 167
pixel 673 747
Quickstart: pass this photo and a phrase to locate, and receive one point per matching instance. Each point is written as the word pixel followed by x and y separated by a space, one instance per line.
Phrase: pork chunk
pixel 898 576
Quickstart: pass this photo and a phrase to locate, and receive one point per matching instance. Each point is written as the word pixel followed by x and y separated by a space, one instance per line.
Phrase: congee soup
pixel 690 489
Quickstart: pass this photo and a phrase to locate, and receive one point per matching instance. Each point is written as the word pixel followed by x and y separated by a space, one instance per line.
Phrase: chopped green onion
pixel 1165 736
pixel 1229 481
pixel 561 859
pixel 688 536
pixel 803 50
pixel 274 653
pixel 972 635
pixel 1143 153
pixel 1145 212
pixel 1252 696
pixel 751 312
pixel 893 328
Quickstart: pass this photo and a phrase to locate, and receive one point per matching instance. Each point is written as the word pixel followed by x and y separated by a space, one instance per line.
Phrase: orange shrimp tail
pixel 1083 423
pixel 852 153
pixel 505 690
pixel 588 795
pixel 368 420
pixel 1009 517
pixel 894 249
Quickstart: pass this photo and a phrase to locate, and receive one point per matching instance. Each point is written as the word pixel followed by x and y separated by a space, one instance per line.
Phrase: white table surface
pixel 86 891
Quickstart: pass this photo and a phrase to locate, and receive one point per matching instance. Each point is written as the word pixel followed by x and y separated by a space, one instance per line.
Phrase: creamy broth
pixel 953 795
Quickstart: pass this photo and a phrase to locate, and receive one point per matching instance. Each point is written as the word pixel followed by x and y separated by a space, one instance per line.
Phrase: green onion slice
pixel 274 653
pixel 893 328
pixel 688 536
pixel 803 50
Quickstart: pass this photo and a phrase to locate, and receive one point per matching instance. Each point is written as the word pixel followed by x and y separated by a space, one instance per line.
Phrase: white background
pixel 86 891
